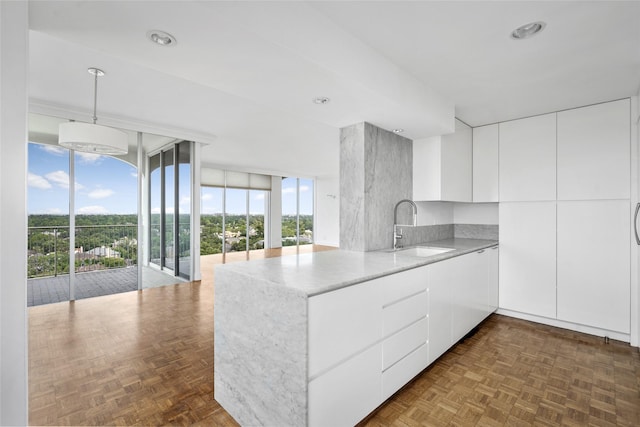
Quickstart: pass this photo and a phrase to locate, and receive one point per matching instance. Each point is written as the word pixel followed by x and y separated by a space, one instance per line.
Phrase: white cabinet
pixel 463 295
pixel 492 293
pixel 528 159
pixel 479 287
pixel 405 329
pixel 594 152
pixel 442 166
pixel 347 393
pixel 594 263
pixel 440 295
pixel 485 163
pixel 528 257
pixel 343 323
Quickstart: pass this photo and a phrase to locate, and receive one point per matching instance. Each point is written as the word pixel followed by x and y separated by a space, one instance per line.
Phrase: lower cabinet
pixel 594 263
pixel 347 393
pixel 368 340
pixel 494 282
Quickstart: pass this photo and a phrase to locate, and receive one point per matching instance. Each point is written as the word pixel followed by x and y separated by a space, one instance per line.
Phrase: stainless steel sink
pixel 422 251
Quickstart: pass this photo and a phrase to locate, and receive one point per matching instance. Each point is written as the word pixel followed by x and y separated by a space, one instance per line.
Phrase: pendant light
pixel 90 137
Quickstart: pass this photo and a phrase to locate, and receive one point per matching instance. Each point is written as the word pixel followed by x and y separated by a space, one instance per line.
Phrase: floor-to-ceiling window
pixel 170 209
pixel 234 208
pixel 297 211
pixel 82 235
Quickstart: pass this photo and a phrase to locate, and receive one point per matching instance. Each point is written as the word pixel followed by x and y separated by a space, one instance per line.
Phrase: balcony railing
pixel 97 247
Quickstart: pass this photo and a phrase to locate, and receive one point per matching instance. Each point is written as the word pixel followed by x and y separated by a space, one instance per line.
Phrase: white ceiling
pixel 243 74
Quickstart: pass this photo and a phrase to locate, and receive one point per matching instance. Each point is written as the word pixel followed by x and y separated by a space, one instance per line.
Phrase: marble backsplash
pixel 430 233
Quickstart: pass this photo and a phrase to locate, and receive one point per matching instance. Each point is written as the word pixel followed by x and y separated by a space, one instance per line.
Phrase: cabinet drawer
pixel 404 312
pixel 403 371
pixel 343 323
pixel 404 284
pixel 347 393
pixel 404 342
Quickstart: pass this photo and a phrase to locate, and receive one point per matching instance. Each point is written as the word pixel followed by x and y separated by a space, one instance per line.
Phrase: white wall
pixel 327 212
pixel 14 62
pixel 475 213
pixel 435 213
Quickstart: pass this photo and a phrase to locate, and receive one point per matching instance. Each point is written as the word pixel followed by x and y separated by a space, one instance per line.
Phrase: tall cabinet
pixel 594 227
pixel 565 229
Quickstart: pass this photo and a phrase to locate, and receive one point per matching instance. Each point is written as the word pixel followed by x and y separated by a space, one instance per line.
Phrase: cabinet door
pixel 456 165
pixel 440 294
pixel 528 159
pixel 593 152
pixel 528 257
pixel 347 393
pixel 344 322
pixel 462 296
pixel 493 279
pixel 485 163
pixel 479 287
pixel 594 263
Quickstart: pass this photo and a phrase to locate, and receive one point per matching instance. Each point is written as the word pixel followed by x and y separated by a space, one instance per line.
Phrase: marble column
pixel 375 173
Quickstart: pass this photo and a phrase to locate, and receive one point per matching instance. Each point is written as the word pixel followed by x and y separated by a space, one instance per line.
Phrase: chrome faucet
pixel 397 236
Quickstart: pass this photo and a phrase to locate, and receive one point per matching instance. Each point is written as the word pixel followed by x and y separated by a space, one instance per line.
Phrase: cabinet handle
pixel 635 223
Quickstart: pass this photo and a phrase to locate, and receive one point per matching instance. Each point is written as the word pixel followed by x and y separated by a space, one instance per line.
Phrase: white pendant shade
pixel 93 138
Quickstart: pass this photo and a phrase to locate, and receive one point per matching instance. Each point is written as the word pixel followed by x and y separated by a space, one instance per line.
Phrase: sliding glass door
pixel 170 209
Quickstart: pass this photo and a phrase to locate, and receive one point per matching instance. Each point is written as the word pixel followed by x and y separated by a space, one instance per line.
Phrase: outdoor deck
pixel 52 289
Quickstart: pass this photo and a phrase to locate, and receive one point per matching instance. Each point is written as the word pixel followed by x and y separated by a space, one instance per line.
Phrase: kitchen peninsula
pixel 325 338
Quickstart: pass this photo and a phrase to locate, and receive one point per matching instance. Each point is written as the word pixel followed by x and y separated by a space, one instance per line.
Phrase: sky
pixel 103 184
pixel 106 185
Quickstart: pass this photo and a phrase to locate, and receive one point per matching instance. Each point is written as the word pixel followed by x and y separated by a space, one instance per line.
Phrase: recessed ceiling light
pixel 528 30
pixel 321 100
pixel 161 38
pixel 398 130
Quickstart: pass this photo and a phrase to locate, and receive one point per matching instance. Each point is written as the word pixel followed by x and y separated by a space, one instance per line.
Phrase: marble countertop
pixel 319 272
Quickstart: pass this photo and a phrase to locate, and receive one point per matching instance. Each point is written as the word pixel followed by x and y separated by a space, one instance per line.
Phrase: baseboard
pixel 566 325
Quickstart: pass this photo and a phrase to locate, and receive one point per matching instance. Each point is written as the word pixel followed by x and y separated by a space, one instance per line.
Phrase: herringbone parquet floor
pixel 146 358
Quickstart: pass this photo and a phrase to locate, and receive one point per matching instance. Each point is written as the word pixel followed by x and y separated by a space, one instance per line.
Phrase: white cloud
pixel 100 193
pixel 207 196
pixel 54 211
pixel 60 178
pixel 134 174
pixel 52 149
pixel 37 181
pixel 304 188
pixel 259 196
pixel 92 210
pixel 88 158
pixel 289 190
pixel 185 201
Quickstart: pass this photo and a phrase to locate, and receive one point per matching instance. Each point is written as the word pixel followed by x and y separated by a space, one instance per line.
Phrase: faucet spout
pixel 397 236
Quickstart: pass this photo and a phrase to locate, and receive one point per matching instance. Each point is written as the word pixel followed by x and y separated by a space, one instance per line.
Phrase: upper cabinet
pixel 528 159
pixel 593 152
pixel 485 163
pixel 442 166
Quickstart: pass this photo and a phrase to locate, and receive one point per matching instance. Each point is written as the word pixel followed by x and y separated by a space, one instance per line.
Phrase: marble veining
pixel 375 173
pixel 248 361
pixel 476 231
